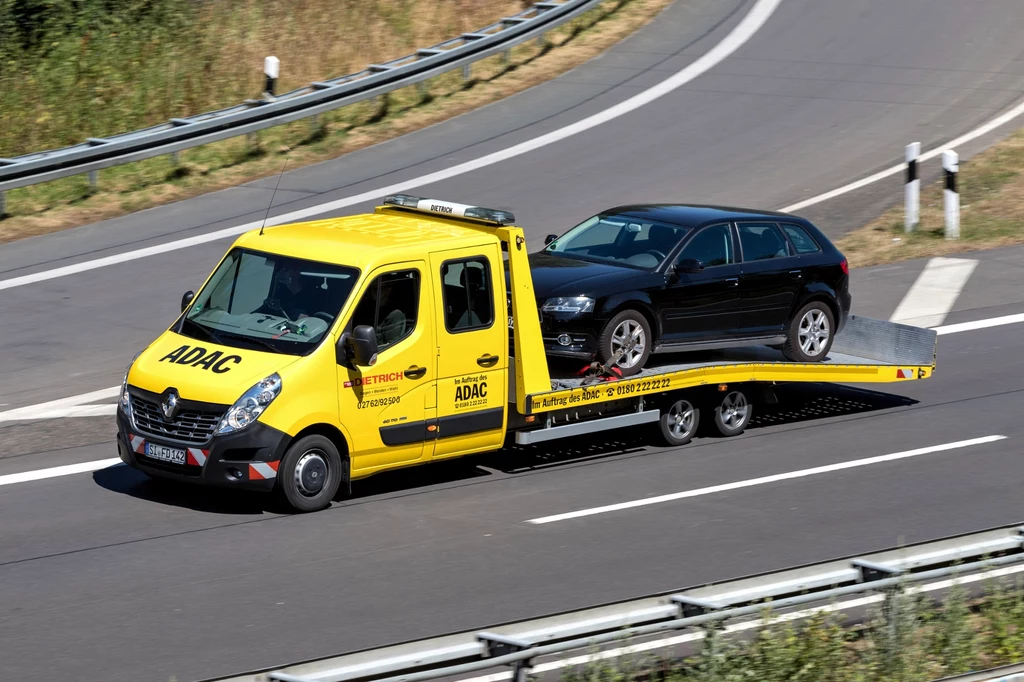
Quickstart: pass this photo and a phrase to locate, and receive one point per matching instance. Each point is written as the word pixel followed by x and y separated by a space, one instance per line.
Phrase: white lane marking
pixel 979 324
pixel 743 31
pixel 764 480
pixel 934 292
pixel 54 472
pixel 998 121
pixel 74 406
pixel 744 626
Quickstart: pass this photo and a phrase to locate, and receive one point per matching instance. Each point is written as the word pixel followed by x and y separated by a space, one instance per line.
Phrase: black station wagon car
pixel 637 280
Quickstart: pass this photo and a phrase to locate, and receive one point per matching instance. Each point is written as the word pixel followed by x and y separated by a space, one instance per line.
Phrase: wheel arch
pixel 333 434
pixel 821 293
pixel 631 301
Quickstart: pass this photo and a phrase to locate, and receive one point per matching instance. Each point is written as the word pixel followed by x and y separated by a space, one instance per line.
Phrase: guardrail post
pixel 3 203
pixel 271 69
pixel 467 70
pixel 500 645
pixel 912 189
pixel 94 180
pixel 951 195
pixel 175 159
pixel 891 607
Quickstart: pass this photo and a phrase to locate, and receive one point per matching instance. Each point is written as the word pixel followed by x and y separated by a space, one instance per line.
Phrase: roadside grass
pixel 913 639
pixel 991 213
pixel 69 202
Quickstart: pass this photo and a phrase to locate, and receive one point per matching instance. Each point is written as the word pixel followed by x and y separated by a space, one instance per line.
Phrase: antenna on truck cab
pixel 273 194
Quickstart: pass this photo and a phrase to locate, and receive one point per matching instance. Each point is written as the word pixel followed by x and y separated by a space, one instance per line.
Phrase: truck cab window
pixel 390 305
pixel 468 295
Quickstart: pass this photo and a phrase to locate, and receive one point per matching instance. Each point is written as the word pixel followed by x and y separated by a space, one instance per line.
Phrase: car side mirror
pixel 690 265
pixel 550 238
pixel 186 299
pixel 362 345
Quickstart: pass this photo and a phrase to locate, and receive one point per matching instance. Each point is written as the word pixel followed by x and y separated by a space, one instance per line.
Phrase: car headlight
pixel 251 405
pixel 574 304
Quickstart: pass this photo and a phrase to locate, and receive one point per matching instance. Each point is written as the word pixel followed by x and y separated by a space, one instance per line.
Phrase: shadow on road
pixel 797 403
pixel 128 481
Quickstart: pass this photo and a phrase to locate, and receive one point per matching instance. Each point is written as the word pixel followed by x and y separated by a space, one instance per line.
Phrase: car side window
pixel 711 246
pixel 802 241
pixel 762 241
pixel 390 306
pixel 468 294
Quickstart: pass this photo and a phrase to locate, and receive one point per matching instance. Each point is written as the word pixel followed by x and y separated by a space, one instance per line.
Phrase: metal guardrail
pixel 519 645
pixel 310 100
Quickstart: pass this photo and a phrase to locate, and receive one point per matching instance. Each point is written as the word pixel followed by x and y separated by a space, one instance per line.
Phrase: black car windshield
pixel 269 302
pixel 619 240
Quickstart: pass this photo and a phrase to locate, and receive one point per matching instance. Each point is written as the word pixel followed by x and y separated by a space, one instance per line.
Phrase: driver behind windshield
pixel 289 296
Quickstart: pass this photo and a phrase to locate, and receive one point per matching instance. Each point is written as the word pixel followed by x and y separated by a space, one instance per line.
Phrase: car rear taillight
pixel 845 267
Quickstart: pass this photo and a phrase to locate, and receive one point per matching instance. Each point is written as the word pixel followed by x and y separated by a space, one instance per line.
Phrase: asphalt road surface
pixel 106 576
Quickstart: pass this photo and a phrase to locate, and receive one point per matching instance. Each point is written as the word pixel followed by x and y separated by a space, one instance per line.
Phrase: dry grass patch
pixel 991 213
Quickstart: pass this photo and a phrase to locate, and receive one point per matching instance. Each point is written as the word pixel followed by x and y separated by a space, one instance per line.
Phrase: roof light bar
pixel 450 209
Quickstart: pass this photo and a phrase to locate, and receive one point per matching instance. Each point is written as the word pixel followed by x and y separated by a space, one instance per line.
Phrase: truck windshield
pixel 619 240
pixel 269 302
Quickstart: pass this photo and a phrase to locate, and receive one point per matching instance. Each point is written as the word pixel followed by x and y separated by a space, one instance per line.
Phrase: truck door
pixel 385 408
pixel 472 357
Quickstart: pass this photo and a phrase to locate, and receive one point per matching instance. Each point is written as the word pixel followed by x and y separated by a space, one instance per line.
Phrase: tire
pixel 679 423
pixel 810 333
pixel 733 414
pixel 630 326
pixel 310 473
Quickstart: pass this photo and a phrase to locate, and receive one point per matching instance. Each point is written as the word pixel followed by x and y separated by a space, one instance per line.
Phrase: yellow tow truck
pixel 319 353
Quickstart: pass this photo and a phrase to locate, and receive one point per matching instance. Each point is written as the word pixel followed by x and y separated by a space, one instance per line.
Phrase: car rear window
pixel 803 242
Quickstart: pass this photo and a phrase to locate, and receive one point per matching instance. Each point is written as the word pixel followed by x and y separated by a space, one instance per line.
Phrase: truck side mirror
pixel 550 238
pixel 690 265
pixel 362 343
pixel 186 298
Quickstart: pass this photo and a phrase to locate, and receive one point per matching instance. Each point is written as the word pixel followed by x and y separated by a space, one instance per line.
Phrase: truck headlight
pixel 251 405
pixel 125 403
pixel 574 304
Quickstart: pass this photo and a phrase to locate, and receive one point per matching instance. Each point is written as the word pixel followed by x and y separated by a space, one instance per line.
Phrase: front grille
pixel 189 426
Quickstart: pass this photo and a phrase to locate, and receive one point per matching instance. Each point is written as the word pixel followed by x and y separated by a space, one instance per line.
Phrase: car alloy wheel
pixel 814 332
pixel 628 342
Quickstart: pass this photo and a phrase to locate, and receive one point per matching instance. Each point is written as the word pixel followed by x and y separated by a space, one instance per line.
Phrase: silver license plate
pixel 165 454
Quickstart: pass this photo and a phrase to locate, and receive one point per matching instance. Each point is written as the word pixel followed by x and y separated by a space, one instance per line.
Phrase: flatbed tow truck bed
pixel 866 351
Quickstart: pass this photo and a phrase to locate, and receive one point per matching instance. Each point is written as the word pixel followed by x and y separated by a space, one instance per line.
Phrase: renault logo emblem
pixel 169 406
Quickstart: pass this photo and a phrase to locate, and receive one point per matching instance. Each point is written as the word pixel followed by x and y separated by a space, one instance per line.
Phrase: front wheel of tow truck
pixel 733 414
pixel 310 473
pixel 679 423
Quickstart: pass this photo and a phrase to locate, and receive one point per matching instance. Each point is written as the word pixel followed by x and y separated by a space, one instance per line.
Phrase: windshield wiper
pixel 253 339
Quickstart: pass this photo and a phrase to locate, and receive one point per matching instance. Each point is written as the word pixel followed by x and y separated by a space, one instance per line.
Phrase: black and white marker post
pixel 272 69
pixel 912 189
pixel 951 195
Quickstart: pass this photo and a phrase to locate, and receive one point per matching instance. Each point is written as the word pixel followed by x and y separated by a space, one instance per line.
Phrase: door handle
pixel 796 274
pixel 415 372
pixel 733 281
pixel 487 360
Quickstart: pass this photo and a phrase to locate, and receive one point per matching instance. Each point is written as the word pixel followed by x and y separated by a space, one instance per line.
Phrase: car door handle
pixel 796 274
pixel 415 372
pixel 733 281
pixel 487 360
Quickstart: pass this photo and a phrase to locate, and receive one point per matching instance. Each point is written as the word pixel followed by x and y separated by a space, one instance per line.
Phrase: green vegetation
pixel 910 638
pixel 71 69
pixel 183 74
pixel 991 213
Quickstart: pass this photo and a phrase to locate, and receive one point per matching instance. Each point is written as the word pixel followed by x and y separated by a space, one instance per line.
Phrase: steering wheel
pixel 657 254
pixel 275 305
pixel 326 317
